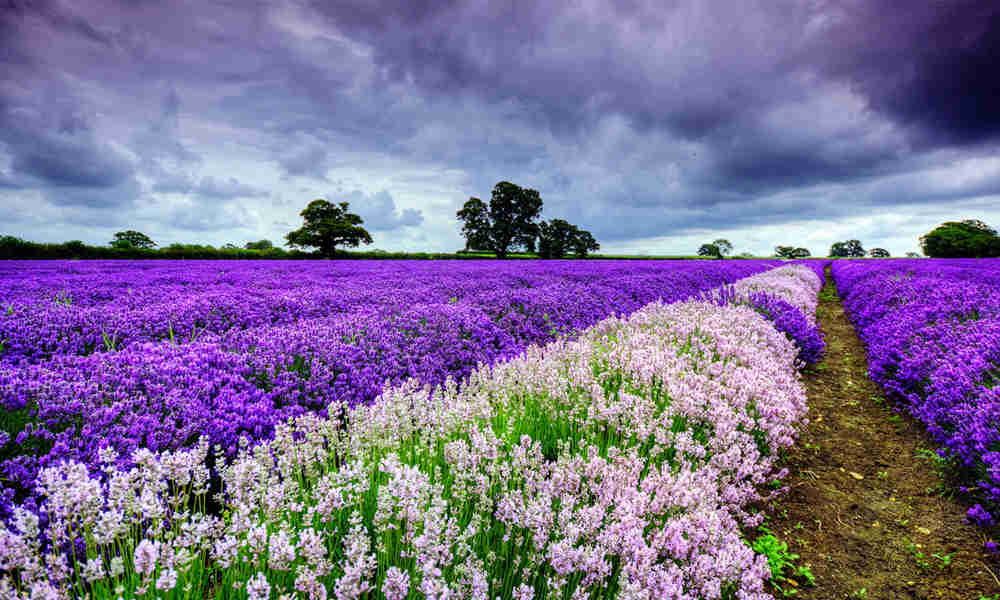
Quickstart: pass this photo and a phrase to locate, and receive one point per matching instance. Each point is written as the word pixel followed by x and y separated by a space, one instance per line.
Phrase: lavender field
pixel 560 429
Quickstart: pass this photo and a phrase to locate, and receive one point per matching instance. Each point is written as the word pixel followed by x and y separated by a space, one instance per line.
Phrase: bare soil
pixel 866 510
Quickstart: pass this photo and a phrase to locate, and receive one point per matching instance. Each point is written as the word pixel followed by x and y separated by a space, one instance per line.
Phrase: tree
pixel 970 238
pixel 508 222
pixel 475 219
pixel 556 238
pixel 912 255
pixel 724 246
pixel 977 224
pixel 878 253
pixel 327 226
pixel 848 249
pixel 131 239
pixel 584 242
pixel 791 252
pixel 709 250
pixel 259 245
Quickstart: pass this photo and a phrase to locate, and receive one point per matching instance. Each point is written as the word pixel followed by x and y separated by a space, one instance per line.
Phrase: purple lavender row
pixel 63 307
pixel 932 328
pixel 241 383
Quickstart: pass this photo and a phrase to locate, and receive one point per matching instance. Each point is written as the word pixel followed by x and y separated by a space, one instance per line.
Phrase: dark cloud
pixel 379 210
pixel 59 149
pixel 207 188
pixel 311 161
pixel 929 65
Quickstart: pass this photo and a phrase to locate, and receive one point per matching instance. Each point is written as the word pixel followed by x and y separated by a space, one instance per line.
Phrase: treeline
pixel 14 248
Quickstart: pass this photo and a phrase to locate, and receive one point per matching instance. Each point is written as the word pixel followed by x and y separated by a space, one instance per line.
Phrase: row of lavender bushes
pixel 70 308
pixel 932 331
pixel 618 464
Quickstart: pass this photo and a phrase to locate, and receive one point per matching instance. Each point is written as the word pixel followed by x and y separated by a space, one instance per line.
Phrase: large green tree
pixel 131 239
pixel 848 249
pixel 327 226
pixel 970 238
pixel 557 238
pixel 508 222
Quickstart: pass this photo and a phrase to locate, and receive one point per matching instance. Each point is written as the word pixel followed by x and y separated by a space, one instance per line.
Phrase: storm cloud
pixel 651 124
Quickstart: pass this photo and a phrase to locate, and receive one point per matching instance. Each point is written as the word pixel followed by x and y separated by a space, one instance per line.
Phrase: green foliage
pixel 131 239
pixel 327 226
pixel 259 245
pixel 878 253
pixel 848 249
pixel 791 252
pixel 475 220
pixel 779 559
pixel 724 246
pixel 509 222
pixel 970 238
pixel 556 238
pixel 710 250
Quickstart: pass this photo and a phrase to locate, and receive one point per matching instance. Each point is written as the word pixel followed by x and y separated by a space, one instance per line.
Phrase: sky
pixel 656 125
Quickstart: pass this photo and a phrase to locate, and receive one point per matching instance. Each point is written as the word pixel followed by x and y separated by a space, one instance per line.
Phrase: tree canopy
pixel 131 239
pixel 970 238
pixel 878 253
pixel 557 237
pixel 259 245
pixel 848 249
pixel 510 220
pixel 710 250
pixel 791 252
pixel 475 220
pixel 724 246
pixel 327 226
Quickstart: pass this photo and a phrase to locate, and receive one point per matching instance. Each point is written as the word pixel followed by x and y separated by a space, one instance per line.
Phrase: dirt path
pixel 866 509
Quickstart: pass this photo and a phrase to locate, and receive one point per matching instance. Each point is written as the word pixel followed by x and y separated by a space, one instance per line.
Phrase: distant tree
pixel 230 246
pixel 725 248
pixel 131 239
pixel 508 222
pixel 259 245
pixel 745 255
pixel 791 252
pixel 327 226
pixel 584 243
pixel 475 218
pixel 878 253
pixel 709 250
pixel 556 238
pixel 970 238
pixel 912 255
pixel 848 249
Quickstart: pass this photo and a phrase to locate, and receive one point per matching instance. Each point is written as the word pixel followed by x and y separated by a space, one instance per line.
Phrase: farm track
pixel 866 510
